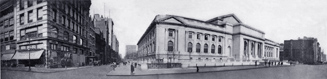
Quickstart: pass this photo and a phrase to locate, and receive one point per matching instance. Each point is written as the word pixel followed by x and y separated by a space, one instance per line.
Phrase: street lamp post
pixel 29 55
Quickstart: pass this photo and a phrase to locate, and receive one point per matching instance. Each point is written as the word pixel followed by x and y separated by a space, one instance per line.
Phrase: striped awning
pixel 25 55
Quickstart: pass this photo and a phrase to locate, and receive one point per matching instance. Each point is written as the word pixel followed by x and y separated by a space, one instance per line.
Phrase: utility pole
pixel 29 54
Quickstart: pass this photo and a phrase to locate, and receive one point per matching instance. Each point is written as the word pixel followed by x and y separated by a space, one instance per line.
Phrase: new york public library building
pixel 175 41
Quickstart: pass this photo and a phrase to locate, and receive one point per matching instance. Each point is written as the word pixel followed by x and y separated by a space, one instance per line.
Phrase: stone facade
pixel 59 28
pixel 176 39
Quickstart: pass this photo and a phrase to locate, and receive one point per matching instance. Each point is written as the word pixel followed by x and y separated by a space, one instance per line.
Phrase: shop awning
pixel 6 56
pixel 24 55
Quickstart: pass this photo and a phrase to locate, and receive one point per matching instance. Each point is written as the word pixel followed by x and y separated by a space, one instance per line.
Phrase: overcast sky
pixel 279 19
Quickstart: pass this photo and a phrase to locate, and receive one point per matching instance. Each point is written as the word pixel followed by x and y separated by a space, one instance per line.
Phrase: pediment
pixel 173 20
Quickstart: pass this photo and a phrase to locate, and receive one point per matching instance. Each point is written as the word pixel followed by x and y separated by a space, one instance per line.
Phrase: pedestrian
pixel 135 64
pixel 132 69
pixel 269 63
pixel 114 66
pixel 197 69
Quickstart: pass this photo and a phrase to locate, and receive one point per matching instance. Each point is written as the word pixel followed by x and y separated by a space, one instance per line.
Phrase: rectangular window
pixel 198 36
pixel 1 23
pixel 21 4
pixel 59 19
pixel 190 35
pixel 68 25
pixel 6 23
pixel 63 20
pixel 30 3
pixel 11 33
pixel 39 13
pixel 39 1
pixel 219 39
pixel 73 26
pixel 11 21
pixel 22 47
pixel 32 46
pixel 30 16
pixel 54 15
pixel 170 33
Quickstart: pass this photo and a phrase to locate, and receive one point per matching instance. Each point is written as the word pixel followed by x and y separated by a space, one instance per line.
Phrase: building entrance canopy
pixel 6 56
pixel 24 55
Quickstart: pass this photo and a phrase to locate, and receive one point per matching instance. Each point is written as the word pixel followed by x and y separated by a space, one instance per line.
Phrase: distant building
pixel 104 27
pixel 323 57
pixel 281 52
pixel 131 50
pixel 304 50
pixel 177 39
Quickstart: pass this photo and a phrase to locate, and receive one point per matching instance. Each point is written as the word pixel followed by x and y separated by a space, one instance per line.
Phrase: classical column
pixel 255 49
pixel 249 50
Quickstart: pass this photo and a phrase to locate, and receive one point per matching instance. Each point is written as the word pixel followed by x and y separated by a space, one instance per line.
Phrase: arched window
pixel 219 49
pixel 213 48
pixel 170 46
pixel 205 48
pixel 66 36
pixel 189 47
pixel 198 46
pixel 74 39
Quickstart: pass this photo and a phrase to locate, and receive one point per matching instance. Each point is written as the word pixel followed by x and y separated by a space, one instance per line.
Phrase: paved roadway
pixel 99 72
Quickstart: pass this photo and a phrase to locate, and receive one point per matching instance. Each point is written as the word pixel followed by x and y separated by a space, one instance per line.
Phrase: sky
pixel 279 19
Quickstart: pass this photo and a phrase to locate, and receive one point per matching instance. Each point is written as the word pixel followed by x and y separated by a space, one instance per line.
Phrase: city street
pixel 99 72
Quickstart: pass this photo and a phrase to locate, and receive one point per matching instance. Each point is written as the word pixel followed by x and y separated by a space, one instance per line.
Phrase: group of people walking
pixel 133 66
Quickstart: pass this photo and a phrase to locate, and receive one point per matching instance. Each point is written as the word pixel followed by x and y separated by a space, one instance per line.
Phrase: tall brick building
pixel 7 30
pixel 304 50
pixel 54 32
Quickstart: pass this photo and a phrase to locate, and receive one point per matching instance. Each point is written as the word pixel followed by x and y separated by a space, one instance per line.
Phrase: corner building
pixel 221 40
pixel 54 32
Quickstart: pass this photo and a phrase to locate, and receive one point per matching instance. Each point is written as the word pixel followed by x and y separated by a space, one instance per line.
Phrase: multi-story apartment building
pixel 190 42
pixel 104 26
pixel 304 50
pixel 54 32
pixel 7 36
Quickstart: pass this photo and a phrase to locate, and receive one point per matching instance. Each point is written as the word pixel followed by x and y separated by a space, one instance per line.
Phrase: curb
pixel 46 71
pixel 202 72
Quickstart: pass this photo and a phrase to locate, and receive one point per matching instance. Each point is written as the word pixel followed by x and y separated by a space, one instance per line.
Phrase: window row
pixel 205 48
pixel 149 49
pixel 7 36
pixel 67 22
pixel 205 37
pixel 31 16
pixel 7 22
pixel 8 47
pixel 32 46
pixel 29 3
pixel 30 33
pixel 67 48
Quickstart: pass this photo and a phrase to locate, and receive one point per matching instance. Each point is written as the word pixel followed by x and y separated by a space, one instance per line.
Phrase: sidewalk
pixel 42 70
pixel 126 70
